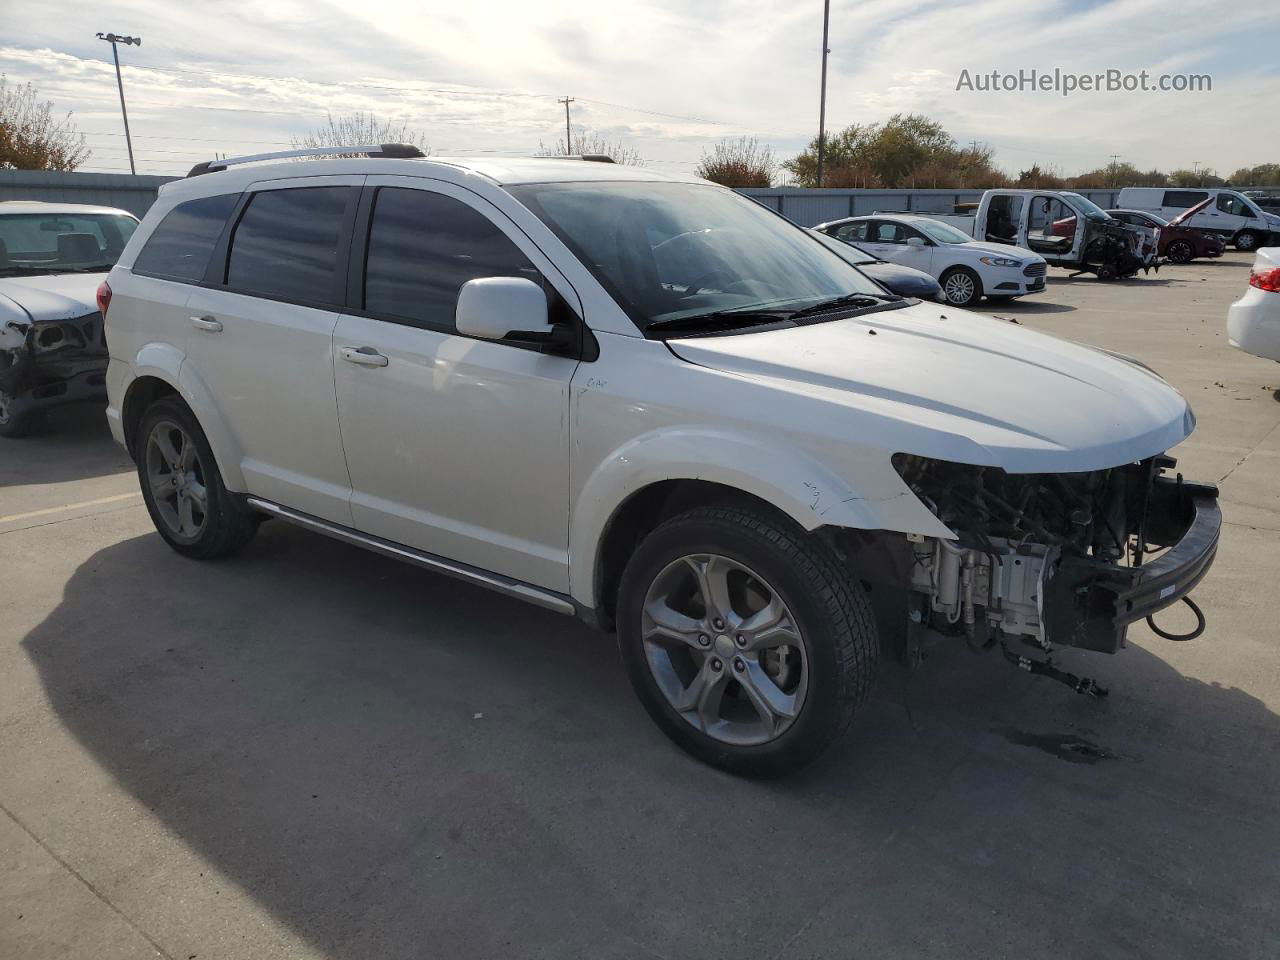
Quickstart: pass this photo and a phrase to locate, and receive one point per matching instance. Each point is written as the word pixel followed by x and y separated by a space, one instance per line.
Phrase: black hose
pixel 1186 636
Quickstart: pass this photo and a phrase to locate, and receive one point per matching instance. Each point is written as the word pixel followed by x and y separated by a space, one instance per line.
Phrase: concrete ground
pixel 310 751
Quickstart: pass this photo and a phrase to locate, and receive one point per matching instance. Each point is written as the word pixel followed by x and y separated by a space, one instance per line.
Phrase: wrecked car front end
pixel 48 361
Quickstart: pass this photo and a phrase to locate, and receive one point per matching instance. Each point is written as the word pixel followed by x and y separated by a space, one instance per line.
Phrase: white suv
pixel 650 402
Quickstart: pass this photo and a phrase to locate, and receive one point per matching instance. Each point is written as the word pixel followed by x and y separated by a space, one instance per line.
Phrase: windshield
pixel 1086 206
pixel 941 232
pixel 62 242
pixel 672 250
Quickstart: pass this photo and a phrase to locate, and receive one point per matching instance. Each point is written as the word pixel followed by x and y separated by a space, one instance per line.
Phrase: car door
pixel 883 241
pixel 917 250
pixel 456 446
pixel 260 337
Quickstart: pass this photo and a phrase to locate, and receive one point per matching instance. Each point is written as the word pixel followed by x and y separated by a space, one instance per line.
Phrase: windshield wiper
pixel 720 320
pixel 849 300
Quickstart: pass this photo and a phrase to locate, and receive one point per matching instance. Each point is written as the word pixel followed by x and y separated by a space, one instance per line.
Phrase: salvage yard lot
pixel 310 751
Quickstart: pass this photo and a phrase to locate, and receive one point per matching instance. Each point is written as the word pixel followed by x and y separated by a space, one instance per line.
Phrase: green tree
pixel 31 138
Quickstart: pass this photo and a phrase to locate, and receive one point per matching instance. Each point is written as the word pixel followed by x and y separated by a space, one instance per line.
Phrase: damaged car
pixel 757 467
pixel 53 256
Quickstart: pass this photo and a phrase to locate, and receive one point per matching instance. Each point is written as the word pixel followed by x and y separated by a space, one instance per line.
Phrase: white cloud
pixel 240 75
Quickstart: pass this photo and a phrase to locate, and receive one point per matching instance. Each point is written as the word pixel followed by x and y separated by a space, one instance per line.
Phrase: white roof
pixel 41 206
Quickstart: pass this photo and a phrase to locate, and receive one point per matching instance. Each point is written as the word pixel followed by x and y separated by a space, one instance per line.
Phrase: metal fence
pixel 806 207
pixel 809 207
pixel 128 192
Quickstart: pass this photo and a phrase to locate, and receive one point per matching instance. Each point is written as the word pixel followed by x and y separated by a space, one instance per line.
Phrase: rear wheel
pixel 745 639
pixel 1180 251
pixel 961 286
pixel 14 423
pixel 182 488
pixel 1247 240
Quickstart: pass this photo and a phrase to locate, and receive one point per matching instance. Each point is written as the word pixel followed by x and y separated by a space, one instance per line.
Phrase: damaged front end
pixel 46 362
pixel 1065 559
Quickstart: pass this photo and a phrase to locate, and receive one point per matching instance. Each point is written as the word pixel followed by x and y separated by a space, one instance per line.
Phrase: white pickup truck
pixel 1065 228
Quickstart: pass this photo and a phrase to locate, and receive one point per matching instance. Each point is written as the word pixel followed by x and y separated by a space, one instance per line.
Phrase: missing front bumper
pixel 1090 605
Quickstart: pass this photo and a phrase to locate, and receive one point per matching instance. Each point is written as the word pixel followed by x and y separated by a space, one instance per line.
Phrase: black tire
pixel 976 290
pixel 18 424
pixel 1180 251
pixel 1107 272
pixel 1247 241
pixel 830 608
pixel 228 523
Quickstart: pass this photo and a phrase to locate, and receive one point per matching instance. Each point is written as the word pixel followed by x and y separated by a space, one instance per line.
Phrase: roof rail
pixel 385 150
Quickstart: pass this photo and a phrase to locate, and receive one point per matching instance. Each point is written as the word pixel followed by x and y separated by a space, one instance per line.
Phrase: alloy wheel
pixel 176 479
pixel 724 649
pixel 959 288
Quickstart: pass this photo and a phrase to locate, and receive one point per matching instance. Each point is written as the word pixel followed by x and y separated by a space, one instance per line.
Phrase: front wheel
pixel 961 286
pixel 15 423
pixel 182 488
pixel 745 639
pixel 1247 240
pixel 1180 251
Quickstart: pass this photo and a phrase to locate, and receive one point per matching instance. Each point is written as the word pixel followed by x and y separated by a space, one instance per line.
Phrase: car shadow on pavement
pixel 385 759
pixel 1028 307
pixel 74 443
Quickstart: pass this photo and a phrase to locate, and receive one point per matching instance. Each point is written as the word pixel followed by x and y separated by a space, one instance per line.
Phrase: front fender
pixel 167 363
pixel 785 476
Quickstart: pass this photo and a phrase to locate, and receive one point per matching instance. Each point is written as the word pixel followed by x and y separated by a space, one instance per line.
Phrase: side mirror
pixel 507 308
pixel 915 241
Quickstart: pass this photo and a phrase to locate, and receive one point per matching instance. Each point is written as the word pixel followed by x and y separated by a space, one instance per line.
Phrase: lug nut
pixel 739 664
pixel 716 664
pixel 719 623
pixel 704 640
pixel 740 640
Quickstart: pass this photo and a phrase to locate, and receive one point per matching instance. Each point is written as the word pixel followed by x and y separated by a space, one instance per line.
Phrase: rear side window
pixel 423 247
pixel 1181 199
pixel 179 248
pixel 286 244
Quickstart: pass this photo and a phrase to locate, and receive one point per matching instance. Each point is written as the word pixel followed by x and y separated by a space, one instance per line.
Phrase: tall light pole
pixel 568 137
pixel 822 103
pixel 113 39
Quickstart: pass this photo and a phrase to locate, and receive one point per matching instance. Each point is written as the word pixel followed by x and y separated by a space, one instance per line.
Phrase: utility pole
pixel 822 104
pixel 113 39
pixel 1195 171
pixel 1115 157
pixel 568 136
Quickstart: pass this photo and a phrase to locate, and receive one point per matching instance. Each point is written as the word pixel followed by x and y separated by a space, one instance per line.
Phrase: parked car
pixel 1229 214
pixel 967 270
pixel 483 367
pixel 904 281
pixel 1253 321
pixel 1178 242
pixel 1067 229
pixel 52 258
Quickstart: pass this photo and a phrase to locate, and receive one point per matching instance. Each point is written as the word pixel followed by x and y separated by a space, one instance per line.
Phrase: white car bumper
pixel 1253 324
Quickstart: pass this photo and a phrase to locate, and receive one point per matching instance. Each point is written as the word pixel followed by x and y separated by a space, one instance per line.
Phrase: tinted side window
pixel 853 231
pixel 423 247
pixel 286 244
pixel 1183 198
pixel 179 247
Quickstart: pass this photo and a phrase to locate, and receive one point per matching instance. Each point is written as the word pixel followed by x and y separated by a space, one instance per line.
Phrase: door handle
pixel 206 323
pixel 365 356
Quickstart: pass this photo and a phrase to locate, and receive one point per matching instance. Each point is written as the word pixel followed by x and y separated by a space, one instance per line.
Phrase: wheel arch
pixel 654 477
pixel 160 370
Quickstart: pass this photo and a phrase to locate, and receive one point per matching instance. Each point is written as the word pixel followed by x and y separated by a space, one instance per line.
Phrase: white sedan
pixel 967 269
pixel 1253 321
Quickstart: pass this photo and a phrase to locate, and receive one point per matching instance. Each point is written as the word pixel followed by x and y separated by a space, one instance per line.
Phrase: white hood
pixel 1000 250
pixel 965 388
pixel 60 296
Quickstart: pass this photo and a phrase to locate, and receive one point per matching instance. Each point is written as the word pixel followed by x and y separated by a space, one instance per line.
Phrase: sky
pixel 667 78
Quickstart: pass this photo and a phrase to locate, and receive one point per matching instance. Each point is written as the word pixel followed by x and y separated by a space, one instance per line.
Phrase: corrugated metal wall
pixel 810 207
pixel 132 193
